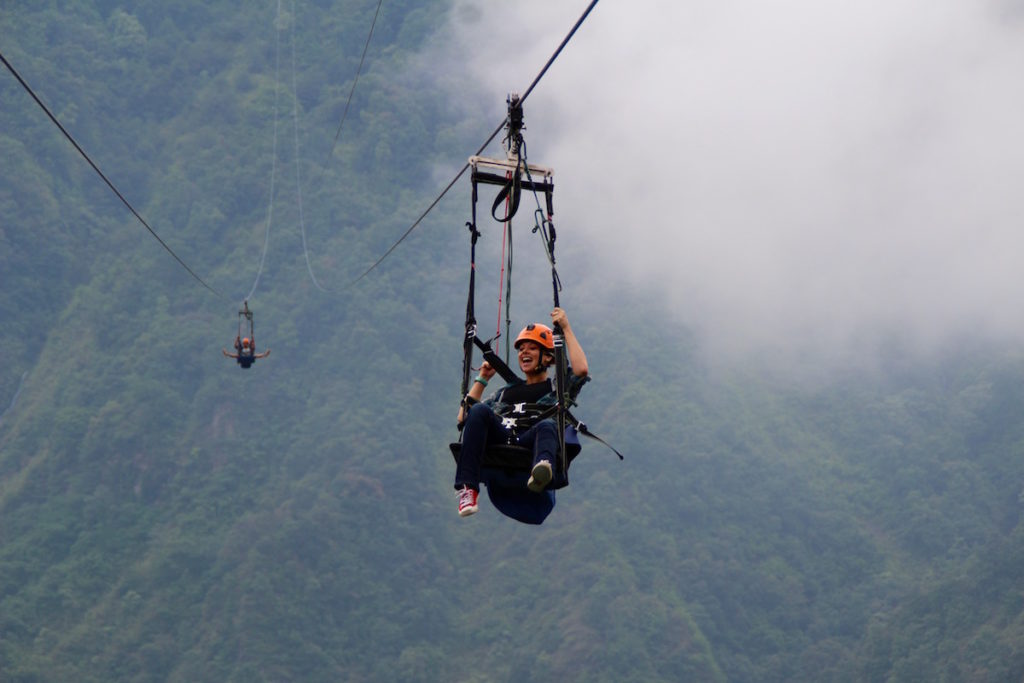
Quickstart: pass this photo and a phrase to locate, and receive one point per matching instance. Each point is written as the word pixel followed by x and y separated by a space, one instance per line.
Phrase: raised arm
pixel 577 359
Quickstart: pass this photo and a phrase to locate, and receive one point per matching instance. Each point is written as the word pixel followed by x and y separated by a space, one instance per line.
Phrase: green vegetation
pixel 165 516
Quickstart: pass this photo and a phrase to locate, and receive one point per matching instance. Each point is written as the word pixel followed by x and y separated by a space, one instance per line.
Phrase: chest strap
pixel 521 416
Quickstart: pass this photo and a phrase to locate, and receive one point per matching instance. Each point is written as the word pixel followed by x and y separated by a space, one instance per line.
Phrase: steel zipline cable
pixel 462 171
pixel 106 180
pixel 359 70
pixel 298 162
pixel 295 130
pixel 273 151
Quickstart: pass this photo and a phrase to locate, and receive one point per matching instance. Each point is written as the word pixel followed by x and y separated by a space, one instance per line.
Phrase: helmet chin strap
pixel 542 366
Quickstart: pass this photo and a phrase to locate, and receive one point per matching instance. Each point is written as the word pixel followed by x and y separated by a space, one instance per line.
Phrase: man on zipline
pixel 505 418
pixel 246 355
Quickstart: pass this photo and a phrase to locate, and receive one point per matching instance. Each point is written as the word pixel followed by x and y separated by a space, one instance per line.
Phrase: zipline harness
pixel 509 175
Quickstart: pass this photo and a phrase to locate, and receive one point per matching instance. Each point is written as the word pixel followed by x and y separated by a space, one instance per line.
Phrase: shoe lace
pixel 466 496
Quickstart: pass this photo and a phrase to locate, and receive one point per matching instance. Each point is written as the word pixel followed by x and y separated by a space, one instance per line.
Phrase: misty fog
pixel 815 177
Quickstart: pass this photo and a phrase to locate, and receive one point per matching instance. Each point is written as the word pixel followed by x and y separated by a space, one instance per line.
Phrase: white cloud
pixel 807 174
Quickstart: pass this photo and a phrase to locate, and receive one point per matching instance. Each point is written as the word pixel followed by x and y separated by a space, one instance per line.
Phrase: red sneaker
pixel 467 501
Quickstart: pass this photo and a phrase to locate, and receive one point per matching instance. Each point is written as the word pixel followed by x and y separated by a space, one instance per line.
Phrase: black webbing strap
pixel 579 426
pixel 496 362
pixel 470 336
pixel 585 431
pixel 470 339
pixel 512 190
pixel 561 368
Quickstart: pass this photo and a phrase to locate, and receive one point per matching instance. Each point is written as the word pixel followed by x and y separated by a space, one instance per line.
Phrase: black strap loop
pixel 507 373
pixel 585 431
pixel 513 188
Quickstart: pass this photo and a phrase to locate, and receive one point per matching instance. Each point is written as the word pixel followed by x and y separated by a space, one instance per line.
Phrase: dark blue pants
pixel 483 428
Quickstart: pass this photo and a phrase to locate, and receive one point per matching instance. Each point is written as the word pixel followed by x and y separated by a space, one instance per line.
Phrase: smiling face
pixel 531 358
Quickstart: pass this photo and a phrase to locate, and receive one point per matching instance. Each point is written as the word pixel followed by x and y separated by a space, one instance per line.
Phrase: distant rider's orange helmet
pixel 538 333
pixel 246 342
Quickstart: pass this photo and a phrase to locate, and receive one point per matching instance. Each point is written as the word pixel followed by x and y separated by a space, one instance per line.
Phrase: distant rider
pixel 246 352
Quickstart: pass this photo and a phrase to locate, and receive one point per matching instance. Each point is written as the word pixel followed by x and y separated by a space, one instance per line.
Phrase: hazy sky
pixel 812 174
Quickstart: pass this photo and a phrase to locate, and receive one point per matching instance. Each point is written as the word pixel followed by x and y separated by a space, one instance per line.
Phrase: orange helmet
pixel 536 332
pixel 246 342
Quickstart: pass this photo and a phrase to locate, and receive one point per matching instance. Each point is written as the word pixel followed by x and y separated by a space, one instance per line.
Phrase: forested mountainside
pixel 166 516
